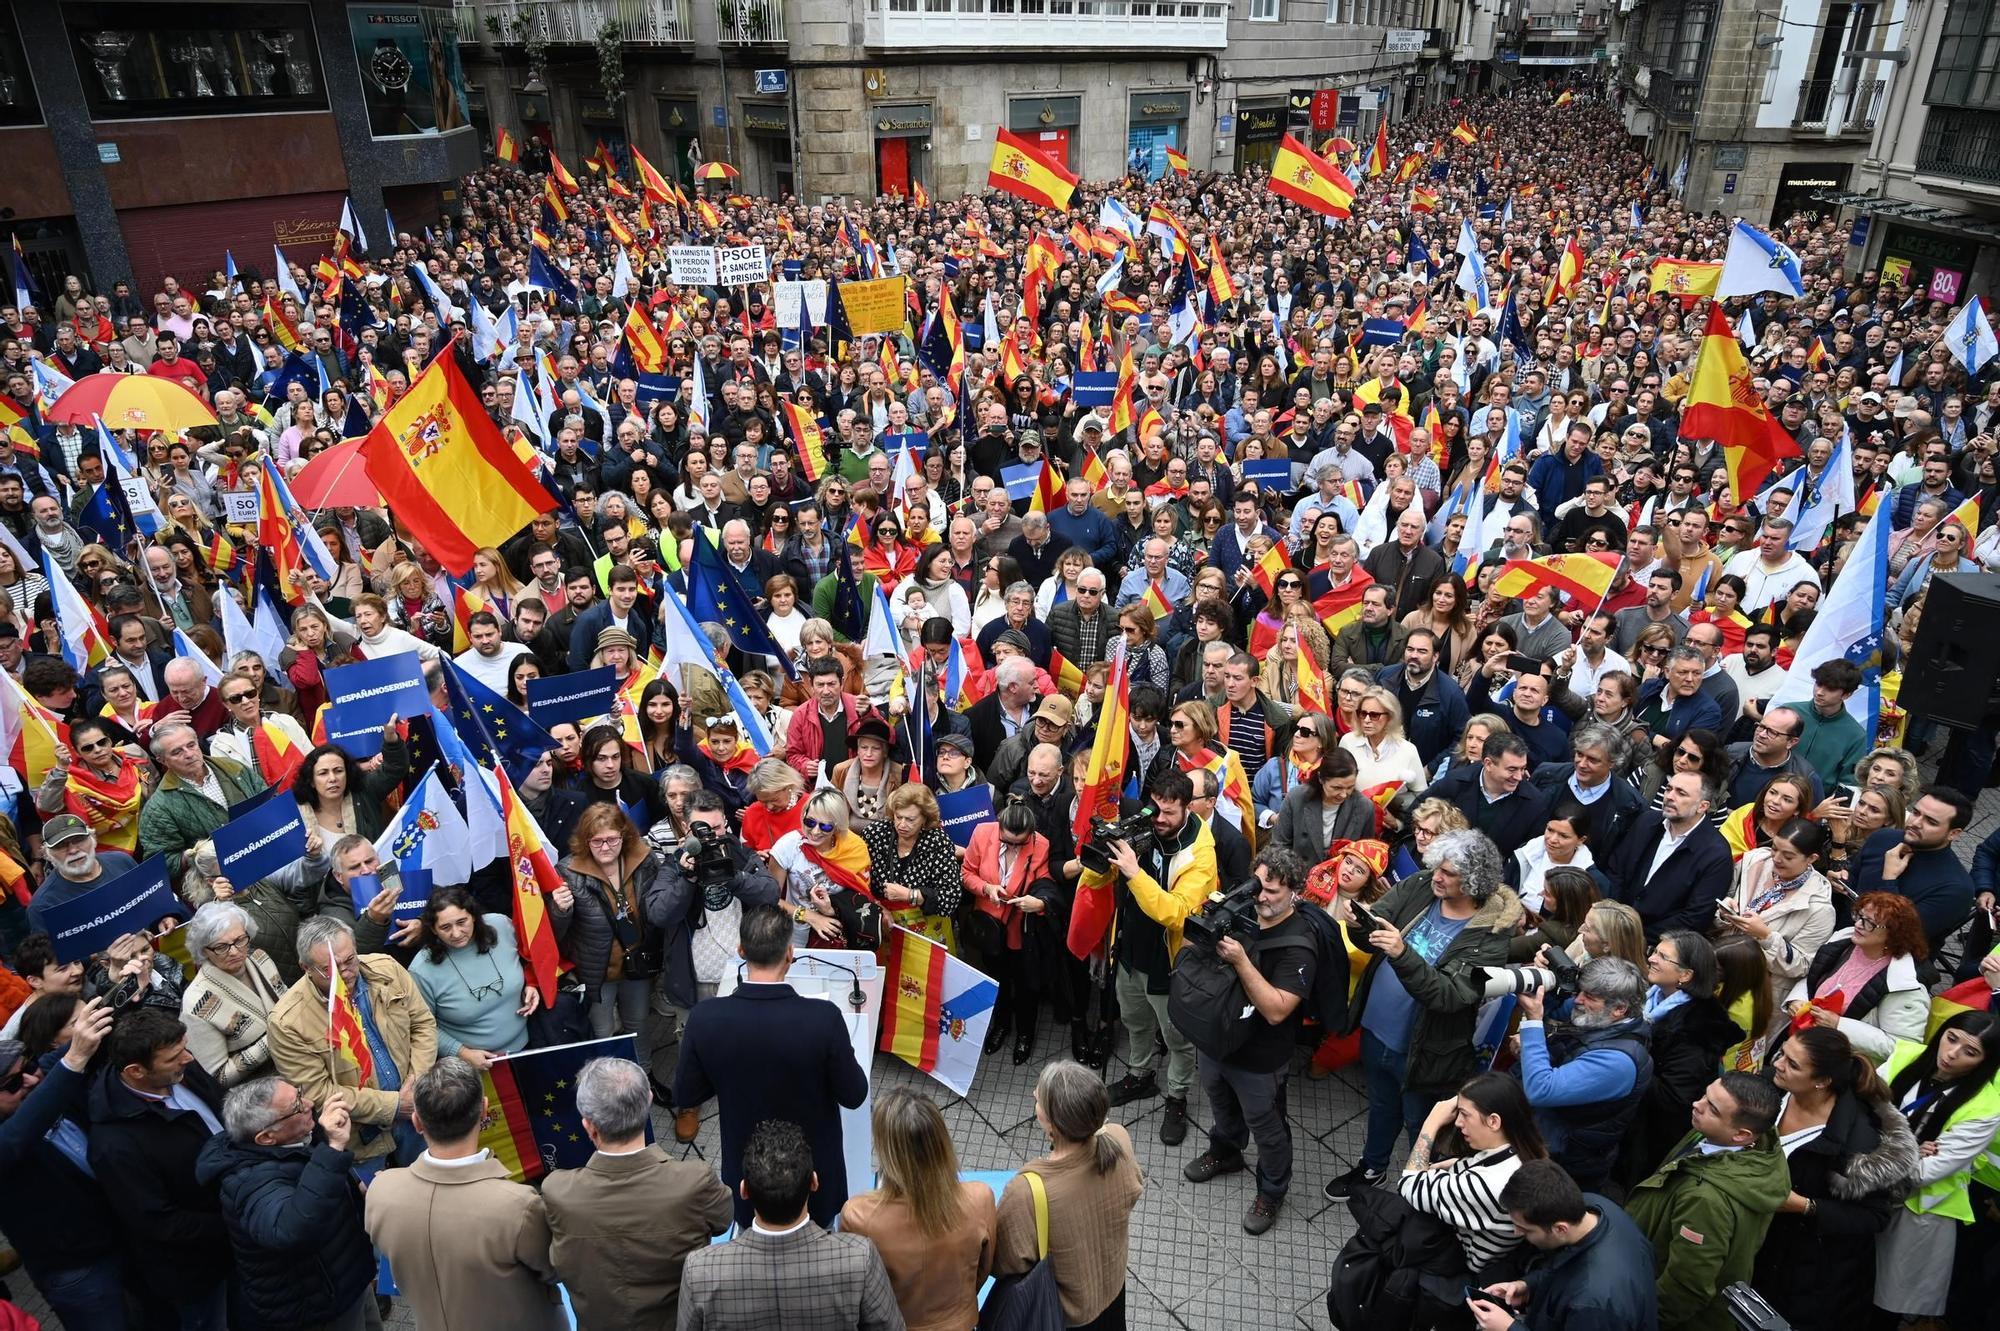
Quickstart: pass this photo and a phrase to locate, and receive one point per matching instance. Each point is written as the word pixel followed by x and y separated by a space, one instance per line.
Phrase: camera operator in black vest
pixel 1246 1086
pixel 1586 1077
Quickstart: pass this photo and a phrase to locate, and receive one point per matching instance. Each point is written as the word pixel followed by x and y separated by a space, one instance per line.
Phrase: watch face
pixel 390 67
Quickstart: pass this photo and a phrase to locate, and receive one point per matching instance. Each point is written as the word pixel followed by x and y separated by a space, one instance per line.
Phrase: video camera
pixel 1561 978
pixel 1231 914
pixel 1136 832
pixel 714 868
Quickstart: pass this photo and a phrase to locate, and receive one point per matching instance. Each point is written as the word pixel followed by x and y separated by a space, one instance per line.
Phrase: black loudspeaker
pixel 1953 674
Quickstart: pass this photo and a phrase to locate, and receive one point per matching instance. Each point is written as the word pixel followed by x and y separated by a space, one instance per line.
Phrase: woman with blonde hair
pixel 935 1233
pixel 1380 750
pixel 823 858
pixel 414 604
pixel 1192 729
pixel 1610 929
pixel 1091 1181
pixel 912 864
pixel 494 582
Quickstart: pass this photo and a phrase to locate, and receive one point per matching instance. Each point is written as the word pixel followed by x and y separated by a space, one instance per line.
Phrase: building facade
pixel 847 98
pixel 1765 112
pixel 143 139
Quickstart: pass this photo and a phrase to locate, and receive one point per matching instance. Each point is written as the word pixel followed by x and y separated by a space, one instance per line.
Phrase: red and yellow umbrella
pixel 131 402
pixel 716 171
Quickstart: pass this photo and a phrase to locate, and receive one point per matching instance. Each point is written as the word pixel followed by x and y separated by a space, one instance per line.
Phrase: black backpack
pixel 1206 1002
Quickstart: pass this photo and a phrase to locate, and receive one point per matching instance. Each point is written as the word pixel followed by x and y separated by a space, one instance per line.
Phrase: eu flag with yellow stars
pixel 534 1126
pixel 495 730
pixel 717 596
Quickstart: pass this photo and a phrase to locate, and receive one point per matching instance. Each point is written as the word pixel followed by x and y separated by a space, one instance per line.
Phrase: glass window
pixel 411 78
pixel 18 104
pixel 1967 72
pixel 1263 11
pixel 1690 40
pixel 144 61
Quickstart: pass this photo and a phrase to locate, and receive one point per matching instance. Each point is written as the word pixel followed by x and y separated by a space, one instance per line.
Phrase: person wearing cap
pixel 953 771
pixel 75 866
pixel 868 777
pixel 1050 725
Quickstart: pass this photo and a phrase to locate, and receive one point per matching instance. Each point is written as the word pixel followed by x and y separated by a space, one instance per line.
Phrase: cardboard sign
pixel 261 842
pixel 742 265
pixel 138 899
pixel 691 265
pixel 964 810
pixel 875 306
pixel 242 506
pixel 363 697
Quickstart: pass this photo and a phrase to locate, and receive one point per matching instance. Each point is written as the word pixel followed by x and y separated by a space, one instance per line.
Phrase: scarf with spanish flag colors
pixel 844 862
pixel 111 807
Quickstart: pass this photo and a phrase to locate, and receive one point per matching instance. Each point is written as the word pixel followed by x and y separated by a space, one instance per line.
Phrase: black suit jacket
pixel 1512 822
pixel 764 1052
pixel 1232 852
pixel 988 731
pixel 1682 895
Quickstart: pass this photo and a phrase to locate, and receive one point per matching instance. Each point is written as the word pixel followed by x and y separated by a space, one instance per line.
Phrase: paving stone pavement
pixel 1192 1266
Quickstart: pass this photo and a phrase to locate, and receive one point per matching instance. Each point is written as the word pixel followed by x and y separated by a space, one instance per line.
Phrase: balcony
pixel 576 22
pixel 1818 98
pixel 748 22
pixel 1961 143
pixel 1038 24
pixel 1672 98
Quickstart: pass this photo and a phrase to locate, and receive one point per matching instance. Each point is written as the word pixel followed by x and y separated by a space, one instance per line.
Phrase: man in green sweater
pixel 1833 741
pixel 1707 1206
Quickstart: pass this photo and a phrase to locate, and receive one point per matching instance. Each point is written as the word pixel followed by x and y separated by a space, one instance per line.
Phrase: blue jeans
pixel 92 1296
pixel 1389 1105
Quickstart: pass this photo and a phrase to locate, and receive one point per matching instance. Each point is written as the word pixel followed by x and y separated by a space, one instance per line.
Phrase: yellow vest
pixel 1948 1196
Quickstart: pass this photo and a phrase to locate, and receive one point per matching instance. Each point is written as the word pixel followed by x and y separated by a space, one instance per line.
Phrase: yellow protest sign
pixel 875 306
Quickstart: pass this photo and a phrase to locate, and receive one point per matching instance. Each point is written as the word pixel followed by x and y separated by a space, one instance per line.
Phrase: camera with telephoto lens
pixel 1136 832
pixel 1231 914
pixel 713 866
pixel 1560 978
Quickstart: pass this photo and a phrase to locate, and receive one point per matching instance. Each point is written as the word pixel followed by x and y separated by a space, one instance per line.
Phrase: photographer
pixel 1164 882
pixel 1587 1078
pixel 701 892
pixel 1246 1085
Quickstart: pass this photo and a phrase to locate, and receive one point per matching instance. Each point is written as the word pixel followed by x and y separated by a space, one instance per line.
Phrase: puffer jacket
pixel 1441 1055
pixel 176 815
pixel 593 927
pixel 294 1220
pixel 1818 1269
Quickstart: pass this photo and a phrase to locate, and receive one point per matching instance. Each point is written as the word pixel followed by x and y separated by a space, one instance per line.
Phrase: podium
pixel 825 973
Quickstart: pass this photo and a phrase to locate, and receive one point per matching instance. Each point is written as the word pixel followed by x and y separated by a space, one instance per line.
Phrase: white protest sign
pixel 816 301
pixel 691 265
pixel 785 298
pixel 742 265
pixel 244 506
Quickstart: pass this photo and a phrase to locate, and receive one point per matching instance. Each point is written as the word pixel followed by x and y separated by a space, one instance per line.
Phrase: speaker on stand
pixel 1953 672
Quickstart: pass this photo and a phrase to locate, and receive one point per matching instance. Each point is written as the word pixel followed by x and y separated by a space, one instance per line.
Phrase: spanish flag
pixel 443 468
pixel 1123 411
pixel 1967 516
pixel 344 1031
pixel 1568 269
pixel 1048 495
pixel 1584 577
pixel 283 331
pixel 1177 162
pixel 619 189
pixel 1973 995
pixel 620 232
pixel 465 603
pixel 655 184
pixel 1314 693
pixel 1265 574
pixel 1066 673
pixel 535 876
pixel 277 532
pixel 1342 605
pixel 1303 176
pixel 810 441
pixel 553 198
pixel 1423 200
pixel 1684 277
pixel 1378 156
pixel 1092 469
pixel 1566 98
pixel 560 174
pixel 506 149
pixel 1155 598
pixel 1221 284
pixel 1103 778
pixel 648 352
pixel 1022 170
pixel 1463 132
pixel 1408 167
pixel 1722 404
pixel 29 732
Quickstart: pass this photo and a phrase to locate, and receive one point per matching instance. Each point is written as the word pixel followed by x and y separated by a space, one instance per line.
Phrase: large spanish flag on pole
pixel 1724 405
pixel 1022 170
pixel 444 470
pixel 1103 779
pixel 535 879
pixel 1684 277
pixel 1303 176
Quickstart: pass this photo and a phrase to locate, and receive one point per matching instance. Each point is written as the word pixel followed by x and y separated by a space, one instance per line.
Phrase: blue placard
pixel 572 697
pixel 1096 388
pixel 963 810
pixel 1270 474
pixel 137 899
pixel 893 444
pixel 415 888
pixel 256 844
pixel 366 696
pixel 1021 480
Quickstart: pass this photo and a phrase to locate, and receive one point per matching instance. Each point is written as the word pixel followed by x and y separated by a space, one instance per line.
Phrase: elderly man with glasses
pixel 75 866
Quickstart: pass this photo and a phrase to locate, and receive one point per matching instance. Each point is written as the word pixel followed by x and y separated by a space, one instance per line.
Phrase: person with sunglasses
pixel 272 743
pixel 98 781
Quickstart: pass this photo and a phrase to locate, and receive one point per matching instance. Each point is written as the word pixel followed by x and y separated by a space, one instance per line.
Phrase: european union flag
pixel 717 596
pixel 493 729
pixel 110 516
pixel 535 1126
pixel 298 368
pixel 847 618
pixel 545 275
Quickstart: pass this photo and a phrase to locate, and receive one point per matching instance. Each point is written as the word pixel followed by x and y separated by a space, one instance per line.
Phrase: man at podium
pixel 763 1051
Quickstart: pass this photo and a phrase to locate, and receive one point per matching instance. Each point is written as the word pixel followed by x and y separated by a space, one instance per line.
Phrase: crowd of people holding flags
pixel 457 646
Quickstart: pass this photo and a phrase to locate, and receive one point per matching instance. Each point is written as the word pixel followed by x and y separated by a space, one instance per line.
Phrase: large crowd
pixel 1726 1060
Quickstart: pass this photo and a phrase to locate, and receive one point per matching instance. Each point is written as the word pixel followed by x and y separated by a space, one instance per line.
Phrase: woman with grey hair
pixel 1417 1001
pixel 227 1002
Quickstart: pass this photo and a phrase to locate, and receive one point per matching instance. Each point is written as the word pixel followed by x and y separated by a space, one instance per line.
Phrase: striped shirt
pixel 1465 1194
